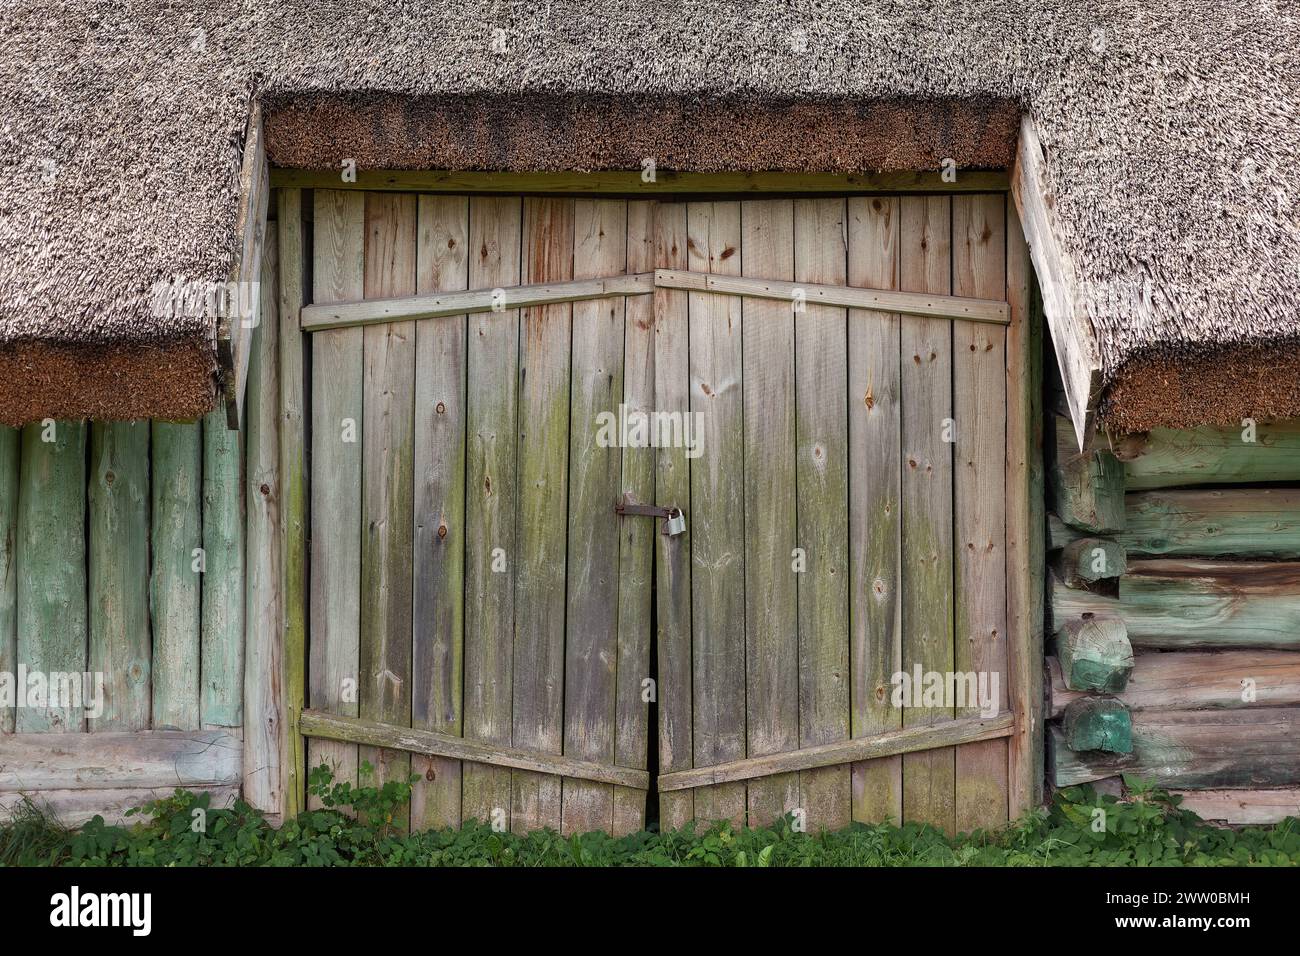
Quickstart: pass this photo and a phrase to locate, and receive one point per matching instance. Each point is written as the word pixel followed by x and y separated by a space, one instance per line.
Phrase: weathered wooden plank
pixel 636 538
pixel 1087 486
pixel 221 697
pixel 1095 654
pixel 442 263
pixel 875 460
pixel 1084 561
pixel 373 733
pixel 772 561
pixel 336 429
pixel 1098 723
pixel 316 318
pixel 1024 520
pixel 121 759
pixel 9 456
pixel 623 182
pixel 980 573
pixel 387 485
pixel 840 296
pixel 1238 807
pixel 491 501
pixel 1197 750
pixel 293 497
pixel 929 777
pixel 591 652
pixel 263 605
pixel 673 664
pixel 1239 522
pixel 72 808
pixel 539 661
pixel 1166 457
pixel 717 500
pixel 118 573
pixel 1188 680
pixel 176 531
pixel 51 560
pixel 945 734
pixel 822 480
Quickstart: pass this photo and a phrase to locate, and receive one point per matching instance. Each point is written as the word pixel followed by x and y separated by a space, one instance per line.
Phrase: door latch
pixel 674 520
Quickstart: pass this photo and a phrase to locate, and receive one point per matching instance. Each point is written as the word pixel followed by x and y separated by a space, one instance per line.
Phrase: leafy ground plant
pixel 361 826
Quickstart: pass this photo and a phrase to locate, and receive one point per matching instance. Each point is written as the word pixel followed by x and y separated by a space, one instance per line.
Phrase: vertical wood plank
pixel 336 444
pixel 118 540
pixel 542 525
pixel 591 652
pixel 221 698
pixel 1025 520
pixel 673 665
pixel 636 537
pixel 263 644
pixel 51 558
pixel 9 454
pixel 442 265
pixel 822 477
pixel 717 499
pixel 176 530
pixel 387 482
pixel 771 582
pixel 491 500
pixel 293 497
pixel 875 461
pixel 927 481
pixel 980 586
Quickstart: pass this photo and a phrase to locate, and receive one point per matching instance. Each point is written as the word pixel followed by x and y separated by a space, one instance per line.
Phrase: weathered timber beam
pixel 314 723
pixel 1087 486
pixel 75 807
pixel 1084 561
pixel 1187 604
pixel 120 760
pixel 1166 457
pixel 1238 807
pixel 1098 723
pixel 335 315
pixel 880 300
pixel 949 733
pixel 1187 680
pixel 631 183
pixel 1094 655
pixel 1198 750
pixel 1058 278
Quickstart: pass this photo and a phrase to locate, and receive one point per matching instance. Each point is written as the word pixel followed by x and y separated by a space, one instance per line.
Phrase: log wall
pixel 1174 593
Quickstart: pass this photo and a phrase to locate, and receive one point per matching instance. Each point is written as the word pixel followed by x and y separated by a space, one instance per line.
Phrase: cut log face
pixel 1095 654
pixel 1098 723
pixel 1087 560
pixel 1088 486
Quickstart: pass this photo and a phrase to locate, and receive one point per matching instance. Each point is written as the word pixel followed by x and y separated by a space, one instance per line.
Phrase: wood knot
pixel 265 489
pixel 442 531
pixel 440 408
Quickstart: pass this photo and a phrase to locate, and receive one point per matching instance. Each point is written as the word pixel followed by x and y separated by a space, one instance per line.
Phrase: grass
pixel 355 827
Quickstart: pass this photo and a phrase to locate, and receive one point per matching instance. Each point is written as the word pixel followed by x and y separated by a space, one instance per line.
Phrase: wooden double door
pixel 841 472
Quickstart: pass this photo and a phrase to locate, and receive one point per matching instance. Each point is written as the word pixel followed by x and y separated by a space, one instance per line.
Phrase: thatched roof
pixel 1171 133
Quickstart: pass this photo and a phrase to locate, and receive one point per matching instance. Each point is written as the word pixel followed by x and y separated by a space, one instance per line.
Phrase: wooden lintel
pixel 1058 279
pixel 334 315
pixel 121 759
pixel 880 300
pixel 314 723
pixel 909 740
pixel 633 182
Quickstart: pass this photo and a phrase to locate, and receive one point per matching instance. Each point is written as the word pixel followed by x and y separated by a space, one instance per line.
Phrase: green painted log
pixel 1086 560
pixel 9 450
pixel 1165 457
pixel 1196 750
pixel 1095 654
pixel 51 557
pixel 221 695
pixel 120 642
pixel 1087 487
pixel 177 533
pixel 1244 522
pixel 1098 723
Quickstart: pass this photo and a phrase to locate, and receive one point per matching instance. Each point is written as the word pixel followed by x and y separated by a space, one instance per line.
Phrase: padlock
pixel 675 523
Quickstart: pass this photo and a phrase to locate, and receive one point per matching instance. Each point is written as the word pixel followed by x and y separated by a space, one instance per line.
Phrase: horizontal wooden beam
pixel 632 183
pixel 75 807
pixel 949 733
pixel 1238 807
pixel 112 761
pixel 334 315
pixel 314 723
pixel 1166 457
pixel 908 303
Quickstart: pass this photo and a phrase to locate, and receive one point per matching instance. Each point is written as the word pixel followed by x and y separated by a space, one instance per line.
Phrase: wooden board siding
pixel 10 448
pixel 221 701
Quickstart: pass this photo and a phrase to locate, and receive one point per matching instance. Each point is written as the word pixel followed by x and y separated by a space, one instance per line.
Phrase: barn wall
pixel 122 565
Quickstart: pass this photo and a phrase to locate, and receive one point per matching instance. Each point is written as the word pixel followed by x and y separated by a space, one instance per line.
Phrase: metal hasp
pixel 674 520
